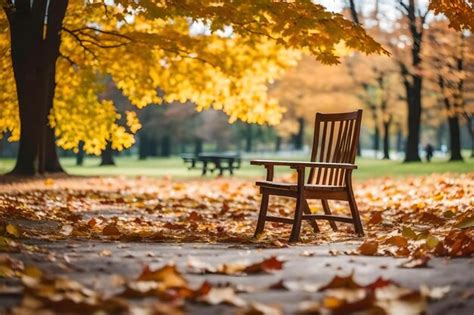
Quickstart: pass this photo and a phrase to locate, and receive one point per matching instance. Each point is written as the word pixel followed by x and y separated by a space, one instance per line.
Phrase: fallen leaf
pixel 465 223
pixel 217 296
pixel 167 275
pixel 339 282
pixel 260 309
pixel 12 230
pixel 435 293
pixel 368 248
pixel 111 229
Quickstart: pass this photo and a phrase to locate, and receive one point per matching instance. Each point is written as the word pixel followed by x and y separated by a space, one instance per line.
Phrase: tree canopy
pixel 217 55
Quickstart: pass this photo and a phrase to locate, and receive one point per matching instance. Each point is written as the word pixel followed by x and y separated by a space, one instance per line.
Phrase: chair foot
pixel 359 230
pixel 296 229
pixel 294 238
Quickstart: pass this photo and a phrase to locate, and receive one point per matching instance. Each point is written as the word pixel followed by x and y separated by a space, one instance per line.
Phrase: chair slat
pixel 328 155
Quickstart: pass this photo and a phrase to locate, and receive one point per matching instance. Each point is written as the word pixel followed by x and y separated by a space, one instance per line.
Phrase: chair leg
pixel 262 214
pixel 295 231
pixel 327 210
pixel 355 213
pixel 313 222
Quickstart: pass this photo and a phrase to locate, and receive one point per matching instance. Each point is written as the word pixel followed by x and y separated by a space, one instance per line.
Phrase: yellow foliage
pixel 219 55
pixel 459 12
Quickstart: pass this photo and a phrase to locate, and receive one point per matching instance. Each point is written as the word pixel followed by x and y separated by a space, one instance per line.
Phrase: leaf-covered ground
pixel 56 230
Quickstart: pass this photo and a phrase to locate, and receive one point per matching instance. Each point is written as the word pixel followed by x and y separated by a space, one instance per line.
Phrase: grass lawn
pixel 174 167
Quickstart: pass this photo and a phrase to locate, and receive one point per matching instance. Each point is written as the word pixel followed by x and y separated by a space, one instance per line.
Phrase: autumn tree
pixel 377 79
pixel 311 87
pixel 446 61
pixel 163 49
pixel 460 13
pixel 409 61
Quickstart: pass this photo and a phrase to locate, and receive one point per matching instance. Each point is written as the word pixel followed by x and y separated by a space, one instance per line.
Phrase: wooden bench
pixel 213 161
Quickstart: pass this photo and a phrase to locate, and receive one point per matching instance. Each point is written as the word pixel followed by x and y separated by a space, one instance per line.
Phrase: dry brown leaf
pixel 368 248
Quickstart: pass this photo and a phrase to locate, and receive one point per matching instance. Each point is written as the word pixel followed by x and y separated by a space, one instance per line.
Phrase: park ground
pixel 174 167
pixel 149 242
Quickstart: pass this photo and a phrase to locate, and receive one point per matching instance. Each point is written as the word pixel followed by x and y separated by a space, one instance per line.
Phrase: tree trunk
pixel 376 140
pixel 454 139
pixel 414 119
pixel 198 143
pixel 470 126
pixel 299 137
pixel 440 137
pixel 152 146
pixel 166 146
pixel 278 144
pixel 107 156
pixel 399 144
pixel 386 139
pixel 413 83
pixel 249 138
pixel 80 155
pixel 143 147
pixel 34 51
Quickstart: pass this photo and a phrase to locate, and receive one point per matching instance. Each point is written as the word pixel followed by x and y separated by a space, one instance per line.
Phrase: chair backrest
pixel 335 141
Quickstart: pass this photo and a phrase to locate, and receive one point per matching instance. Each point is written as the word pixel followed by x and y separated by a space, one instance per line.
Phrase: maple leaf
pixel 368 248
pixel 168 276
pixel 339 282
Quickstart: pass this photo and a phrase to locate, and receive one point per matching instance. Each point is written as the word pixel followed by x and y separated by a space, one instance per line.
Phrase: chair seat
pixel 293 187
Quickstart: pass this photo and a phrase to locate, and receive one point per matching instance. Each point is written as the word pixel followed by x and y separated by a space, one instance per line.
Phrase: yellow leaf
pixel 12 230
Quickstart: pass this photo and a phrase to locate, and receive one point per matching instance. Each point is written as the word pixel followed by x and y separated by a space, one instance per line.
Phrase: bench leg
pixel 327 210
pixel 313 222
pixel 295 231
pixel 262 215
pixel 204 168
pixel 355 213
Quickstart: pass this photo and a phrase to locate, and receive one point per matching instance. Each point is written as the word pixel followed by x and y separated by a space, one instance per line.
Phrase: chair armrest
pixel 300 164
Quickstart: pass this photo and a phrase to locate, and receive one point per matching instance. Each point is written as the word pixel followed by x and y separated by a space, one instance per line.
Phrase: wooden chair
pixel 332 160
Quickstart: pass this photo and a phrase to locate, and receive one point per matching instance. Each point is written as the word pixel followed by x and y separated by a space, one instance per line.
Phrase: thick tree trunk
pixel 51 164
pixel 386 140
pixel 413 83
pixel 299 137
pixel 454 139
pixel 107 156
pixel 34 51
pixel 414 120
pixel 80 154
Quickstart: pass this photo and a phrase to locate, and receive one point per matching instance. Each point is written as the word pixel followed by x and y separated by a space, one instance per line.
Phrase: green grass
pixel 174 167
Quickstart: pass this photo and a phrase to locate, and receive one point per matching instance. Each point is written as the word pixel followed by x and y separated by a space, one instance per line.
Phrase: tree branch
pixel 404 6
pixel 71 62
pixel 80 42
pixel 354 14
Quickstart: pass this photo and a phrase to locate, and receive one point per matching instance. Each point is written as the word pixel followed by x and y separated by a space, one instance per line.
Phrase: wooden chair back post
pixel 335 141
